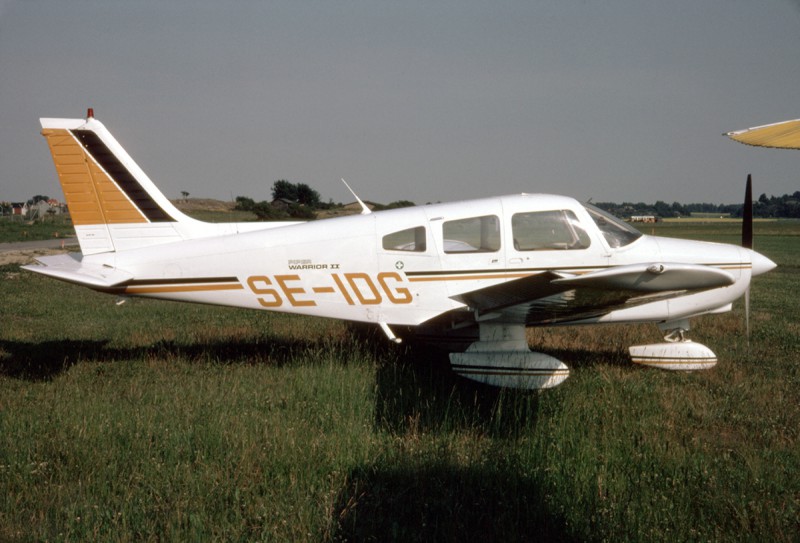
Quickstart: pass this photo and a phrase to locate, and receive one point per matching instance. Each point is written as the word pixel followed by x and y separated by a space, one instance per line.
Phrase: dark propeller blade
pixel 747 242
pixel 747 215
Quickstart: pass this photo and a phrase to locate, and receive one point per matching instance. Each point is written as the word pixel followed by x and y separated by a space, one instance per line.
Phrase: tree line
pixel 296 201
pixel 786 206
pixel 289 200
pixel 300 201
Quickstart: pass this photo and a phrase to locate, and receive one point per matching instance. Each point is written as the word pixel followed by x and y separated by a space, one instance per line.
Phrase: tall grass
pixel 159 421
pixel 16 229
pixel 176 439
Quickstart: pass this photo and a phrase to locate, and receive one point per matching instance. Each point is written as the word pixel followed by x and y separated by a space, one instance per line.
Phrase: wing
pixel 783 135
pixel 553 297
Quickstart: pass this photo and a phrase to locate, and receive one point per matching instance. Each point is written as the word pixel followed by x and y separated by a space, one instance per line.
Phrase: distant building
pixel 282 203
pixel 39 210
pixel 42 209
pixel 644 218
pixel 19 208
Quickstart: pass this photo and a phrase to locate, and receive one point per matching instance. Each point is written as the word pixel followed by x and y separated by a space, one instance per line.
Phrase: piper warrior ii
pixel 492 265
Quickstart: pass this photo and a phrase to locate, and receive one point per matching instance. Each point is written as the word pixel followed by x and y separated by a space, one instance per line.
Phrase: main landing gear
pixel 501 357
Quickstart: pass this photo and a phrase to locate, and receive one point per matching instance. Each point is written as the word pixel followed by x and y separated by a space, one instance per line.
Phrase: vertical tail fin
pixel 113 204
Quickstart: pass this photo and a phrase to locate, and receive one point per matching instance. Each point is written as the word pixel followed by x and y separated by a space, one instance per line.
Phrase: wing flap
pixel 70 268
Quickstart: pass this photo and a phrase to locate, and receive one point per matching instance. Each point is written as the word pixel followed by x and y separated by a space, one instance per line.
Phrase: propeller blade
pixel 747 242
pixel 747 215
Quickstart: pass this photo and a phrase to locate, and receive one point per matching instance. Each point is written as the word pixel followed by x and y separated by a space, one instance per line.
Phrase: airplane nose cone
pixel 761 264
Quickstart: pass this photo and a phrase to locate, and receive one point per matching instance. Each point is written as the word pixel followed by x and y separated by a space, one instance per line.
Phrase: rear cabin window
pixel 472 235
pixel 410 239
pixel 548 231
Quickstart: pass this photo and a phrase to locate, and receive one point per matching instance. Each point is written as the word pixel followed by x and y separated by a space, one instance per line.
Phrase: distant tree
pixel 786 206
pixel 243 203
pixel 265 211
pixel 184 195
pixel 790 208
pixel 400 203
pixel 306 195
pixel 38 198
pixel 306 213
pixel 283 189
pixel 663 209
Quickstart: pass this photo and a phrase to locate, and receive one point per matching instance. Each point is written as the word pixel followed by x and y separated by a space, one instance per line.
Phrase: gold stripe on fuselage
pixel 181 288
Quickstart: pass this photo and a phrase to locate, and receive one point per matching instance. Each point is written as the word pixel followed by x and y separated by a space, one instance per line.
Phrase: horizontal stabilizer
pixel 652 277
pixel 70 268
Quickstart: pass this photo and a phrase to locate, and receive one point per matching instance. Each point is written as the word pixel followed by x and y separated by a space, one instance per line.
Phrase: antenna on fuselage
pixel 364 209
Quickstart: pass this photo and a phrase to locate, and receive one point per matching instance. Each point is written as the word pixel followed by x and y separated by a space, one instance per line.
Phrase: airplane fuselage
pixel 343 268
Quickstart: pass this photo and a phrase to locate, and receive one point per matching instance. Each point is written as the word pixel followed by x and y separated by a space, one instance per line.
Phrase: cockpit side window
pixel 616 232
pixel 410 239
pixel 548 231
pixel 472 235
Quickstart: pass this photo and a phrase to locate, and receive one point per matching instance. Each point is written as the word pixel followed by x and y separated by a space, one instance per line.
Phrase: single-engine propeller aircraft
pixel 494 265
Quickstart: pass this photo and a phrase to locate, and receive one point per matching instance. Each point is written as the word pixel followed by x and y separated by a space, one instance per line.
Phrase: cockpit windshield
pixel 618 233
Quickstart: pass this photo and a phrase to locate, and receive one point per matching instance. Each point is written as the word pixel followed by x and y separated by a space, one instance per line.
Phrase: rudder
pixel 113 204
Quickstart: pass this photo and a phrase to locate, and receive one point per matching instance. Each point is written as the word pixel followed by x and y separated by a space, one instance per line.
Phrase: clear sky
pixel 418 100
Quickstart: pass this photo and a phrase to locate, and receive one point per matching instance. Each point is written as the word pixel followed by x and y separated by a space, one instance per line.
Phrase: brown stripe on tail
pixel 98 188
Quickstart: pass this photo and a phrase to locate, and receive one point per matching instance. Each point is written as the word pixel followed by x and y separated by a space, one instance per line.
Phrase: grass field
pixel 15 229
pixel 155 421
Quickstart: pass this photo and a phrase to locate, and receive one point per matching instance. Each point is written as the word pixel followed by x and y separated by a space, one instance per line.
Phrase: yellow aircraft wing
pixel 782 135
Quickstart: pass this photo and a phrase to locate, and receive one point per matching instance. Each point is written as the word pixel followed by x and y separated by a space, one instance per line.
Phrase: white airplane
pixel 492 265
